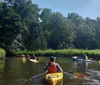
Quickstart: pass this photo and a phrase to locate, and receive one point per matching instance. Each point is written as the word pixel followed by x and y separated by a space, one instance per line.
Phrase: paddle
pixel 76 74
pixel 38 75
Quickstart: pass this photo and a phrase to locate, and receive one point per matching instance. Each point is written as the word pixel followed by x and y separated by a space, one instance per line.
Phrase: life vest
pixel 52 68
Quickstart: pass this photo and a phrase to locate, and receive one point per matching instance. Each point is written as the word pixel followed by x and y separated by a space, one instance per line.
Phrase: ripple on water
pixel 93 77
pixel 93 74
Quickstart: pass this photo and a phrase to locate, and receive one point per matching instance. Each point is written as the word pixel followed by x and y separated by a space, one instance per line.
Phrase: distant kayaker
pixel 33 57
pixel 52 66
pixel 23 55
pixel 85 57
pixel 28 57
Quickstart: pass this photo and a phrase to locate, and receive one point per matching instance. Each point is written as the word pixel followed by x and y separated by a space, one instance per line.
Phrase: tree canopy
pixel 25 26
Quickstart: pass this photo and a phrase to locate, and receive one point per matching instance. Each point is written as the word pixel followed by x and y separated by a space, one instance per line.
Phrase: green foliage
pixel 10 26
pixel 64 52
pixel 25 26
pixel 60 31
pixel 2 53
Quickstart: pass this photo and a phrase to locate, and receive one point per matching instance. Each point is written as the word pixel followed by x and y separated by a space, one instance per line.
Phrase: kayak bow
pixel 53 78
pixel 34 60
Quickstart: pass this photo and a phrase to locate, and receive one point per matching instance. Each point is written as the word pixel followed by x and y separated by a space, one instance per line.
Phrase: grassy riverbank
pixel 64 52
pixel 2 53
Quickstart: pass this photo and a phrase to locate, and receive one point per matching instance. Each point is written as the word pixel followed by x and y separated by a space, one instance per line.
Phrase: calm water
pixel 16 71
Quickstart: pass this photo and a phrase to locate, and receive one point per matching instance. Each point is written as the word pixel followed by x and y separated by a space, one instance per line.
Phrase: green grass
pixel 63 52
pixel 2 53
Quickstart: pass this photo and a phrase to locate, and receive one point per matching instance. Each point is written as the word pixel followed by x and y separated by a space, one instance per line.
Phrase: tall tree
pixel 62 32
pixel 97 28
pixel 46 16
pixel 10 25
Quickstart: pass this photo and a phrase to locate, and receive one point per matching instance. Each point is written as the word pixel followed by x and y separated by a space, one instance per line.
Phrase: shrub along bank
pixel 2 53
pixel 62 53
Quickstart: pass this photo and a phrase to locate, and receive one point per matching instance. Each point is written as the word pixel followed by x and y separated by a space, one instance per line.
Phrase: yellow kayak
pixel 34 60
pixel 54 78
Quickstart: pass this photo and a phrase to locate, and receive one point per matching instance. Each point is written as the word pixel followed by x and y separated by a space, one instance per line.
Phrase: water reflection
pixel 2 63
pixel 81 66
pixel 93 76
pixel 13 71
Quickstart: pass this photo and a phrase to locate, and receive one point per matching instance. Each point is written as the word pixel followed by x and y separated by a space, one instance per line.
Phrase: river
pixel 16 71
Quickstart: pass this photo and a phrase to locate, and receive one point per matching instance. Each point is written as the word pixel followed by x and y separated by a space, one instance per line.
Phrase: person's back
pixel 52 67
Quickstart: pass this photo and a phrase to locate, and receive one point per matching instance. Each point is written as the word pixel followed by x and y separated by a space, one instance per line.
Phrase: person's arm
pixel 46 68
pixel 59 69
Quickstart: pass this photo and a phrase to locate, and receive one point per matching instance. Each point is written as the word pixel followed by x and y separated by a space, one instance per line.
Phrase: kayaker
pixel 28 57
pixel 52 66
pixel 85 57
pixel 33 57
pixel 23 55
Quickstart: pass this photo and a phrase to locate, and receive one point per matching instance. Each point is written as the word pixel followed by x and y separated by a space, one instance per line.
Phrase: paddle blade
pixel 79 75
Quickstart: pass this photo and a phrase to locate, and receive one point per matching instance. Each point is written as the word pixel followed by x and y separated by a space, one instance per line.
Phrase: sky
pixel 85 8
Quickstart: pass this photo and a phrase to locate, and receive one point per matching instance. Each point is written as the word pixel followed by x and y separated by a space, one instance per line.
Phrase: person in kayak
pixel 28 57
pixel 52 66
pixel 85 57
pixel 33 57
